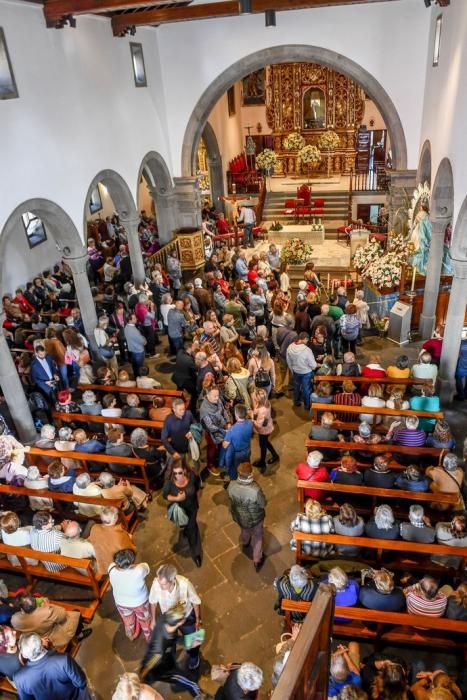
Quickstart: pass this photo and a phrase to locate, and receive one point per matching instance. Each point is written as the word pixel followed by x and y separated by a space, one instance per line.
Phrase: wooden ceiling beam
pixel 56 10
pixel 228 8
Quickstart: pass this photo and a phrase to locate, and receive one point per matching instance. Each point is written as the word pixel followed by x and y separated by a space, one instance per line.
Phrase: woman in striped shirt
pixel 425 598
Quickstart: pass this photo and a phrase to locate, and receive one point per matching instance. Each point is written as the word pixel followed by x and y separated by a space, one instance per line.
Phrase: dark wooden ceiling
pixel 126 14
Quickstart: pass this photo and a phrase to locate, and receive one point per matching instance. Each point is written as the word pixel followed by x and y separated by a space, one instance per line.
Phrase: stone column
pixel 78 266
pixel 217 181
pixel 432 279
pixel 453 329
pixel 402 183
pixel 188 202
pixel 134 248
pixel 14 393
pixel 166 213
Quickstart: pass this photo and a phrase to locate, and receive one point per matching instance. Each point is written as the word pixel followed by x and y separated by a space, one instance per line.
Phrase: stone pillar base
pixel 427 325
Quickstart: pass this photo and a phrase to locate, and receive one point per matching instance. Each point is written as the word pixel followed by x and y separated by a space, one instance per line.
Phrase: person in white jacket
pixel 302 363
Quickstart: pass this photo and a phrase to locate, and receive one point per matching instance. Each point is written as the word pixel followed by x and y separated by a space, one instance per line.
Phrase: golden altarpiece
pixel 309 98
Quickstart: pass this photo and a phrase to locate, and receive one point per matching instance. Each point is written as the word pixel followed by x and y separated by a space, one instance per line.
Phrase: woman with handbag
pixel 263 426
pixel 181 490
pixel 261 369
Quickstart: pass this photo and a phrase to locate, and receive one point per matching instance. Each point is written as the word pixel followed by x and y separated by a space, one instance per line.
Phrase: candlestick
pixel 329 280
pixel 414 272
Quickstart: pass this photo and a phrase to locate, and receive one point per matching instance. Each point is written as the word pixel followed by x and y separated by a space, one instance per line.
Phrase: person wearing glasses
pixel 182 487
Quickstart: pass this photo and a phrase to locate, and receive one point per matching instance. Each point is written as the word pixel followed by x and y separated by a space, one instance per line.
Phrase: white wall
pixel 78 110
pixel 21 263
pixel 228 130
pixel 445 106
pixel 388 39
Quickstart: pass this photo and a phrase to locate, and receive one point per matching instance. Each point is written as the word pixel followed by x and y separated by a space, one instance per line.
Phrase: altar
pixel 313 234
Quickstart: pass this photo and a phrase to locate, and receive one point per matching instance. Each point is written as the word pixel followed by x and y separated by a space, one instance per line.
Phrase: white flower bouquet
pixel 294 141
pixel 309 156
pixel 385 271
pixel 266 160
pixel 328 141
pixel 365 255
pixel 296 252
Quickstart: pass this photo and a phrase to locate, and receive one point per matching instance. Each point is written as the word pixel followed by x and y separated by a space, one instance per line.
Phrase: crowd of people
pixel 238 340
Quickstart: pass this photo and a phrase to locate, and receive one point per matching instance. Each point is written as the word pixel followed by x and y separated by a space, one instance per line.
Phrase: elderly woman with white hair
pixel 123 490
pixel 243 682
pixel 83 486
pixel 90 406
pixel 362 308
pixel 129 687
pixel 347 589
pixel 383 525
pixel 65 443
pixel 294 584
pixel 311 470
pixel 35 481
pixel 47 438
pixel 109 537
pixel 133 408
pixel 448 478
pixel 155 459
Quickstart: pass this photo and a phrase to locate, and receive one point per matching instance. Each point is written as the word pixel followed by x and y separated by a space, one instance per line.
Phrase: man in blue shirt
pixel 237 441
pixel 241 266
pixel 176 325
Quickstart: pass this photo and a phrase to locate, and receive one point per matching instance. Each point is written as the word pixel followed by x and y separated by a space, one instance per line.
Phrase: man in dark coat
pixel 44 372
pixel 185 374
pixel 48 674
pixel 242 683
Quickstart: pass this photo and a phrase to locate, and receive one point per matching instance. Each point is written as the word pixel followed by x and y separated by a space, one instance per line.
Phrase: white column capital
pixel 130 221
pixel 77 263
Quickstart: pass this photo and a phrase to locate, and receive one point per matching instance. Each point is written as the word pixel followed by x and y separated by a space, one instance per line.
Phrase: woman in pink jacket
pixel 263 425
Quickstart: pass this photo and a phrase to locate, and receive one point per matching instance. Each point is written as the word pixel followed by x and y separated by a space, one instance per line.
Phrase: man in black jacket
pixel 380 475
pixel 185 374
pixel 242 683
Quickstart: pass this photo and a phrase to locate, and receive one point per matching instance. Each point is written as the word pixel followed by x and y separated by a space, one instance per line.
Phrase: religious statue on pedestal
pixel 420 238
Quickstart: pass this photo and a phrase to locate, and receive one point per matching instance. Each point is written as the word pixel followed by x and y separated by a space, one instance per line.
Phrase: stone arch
pixel 287 54
pixel 155 170
pixel 214 162
pixel 459 238
pixel 424 164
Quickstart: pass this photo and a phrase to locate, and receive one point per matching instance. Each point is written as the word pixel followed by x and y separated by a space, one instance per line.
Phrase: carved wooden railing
pixel 306 672
pixel 375 180
pixel 161 255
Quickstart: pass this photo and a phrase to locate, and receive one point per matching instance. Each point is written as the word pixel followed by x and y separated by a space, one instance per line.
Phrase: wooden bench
pixel 371 380
pixel 391 628
pixel 126 422
pixel 380 448
pixel 374 493
pixel 98 457
pixel 372 410
pixel 115 389
pixel 130 520
pixel 384 547
pixel 33 572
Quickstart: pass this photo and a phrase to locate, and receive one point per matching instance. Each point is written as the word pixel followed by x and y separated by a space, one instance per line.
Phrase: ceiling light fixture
pixel 244 7
pixel 132 30
pixel 427 3
pixel 270 18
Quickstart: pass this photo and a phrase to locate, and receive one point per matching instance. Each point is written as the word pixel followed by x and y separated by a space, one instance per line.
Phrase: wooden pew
pixel 33 572
pixel 98 457
pixel 372 380
pixel 374 493
pixel 391 628
pixel 126 422
pixel 115 389
pixel 130 520
pixel 380 448
pixel 382 547
pixel 371 410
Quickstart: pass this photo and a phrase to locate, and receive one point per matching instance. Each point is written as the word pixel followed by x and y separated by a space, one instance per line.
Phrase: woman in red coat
pixel 311 470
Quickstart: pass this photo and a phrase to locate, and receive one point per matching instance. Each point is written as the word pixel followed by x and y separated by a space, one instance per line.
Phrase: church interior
pixel 301 165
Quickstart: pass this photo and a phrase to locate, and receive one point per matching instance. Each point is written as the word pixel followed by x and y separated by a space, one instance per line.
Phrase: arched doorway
pixel 288 54
pixel 21 260
pixel 154 177
pixel 441 212
pixel 424 166
pixel 114 193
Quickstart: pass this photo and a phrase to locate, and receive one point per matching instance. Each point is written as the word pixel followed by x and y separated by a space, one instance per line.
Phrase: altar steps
pixel 335 208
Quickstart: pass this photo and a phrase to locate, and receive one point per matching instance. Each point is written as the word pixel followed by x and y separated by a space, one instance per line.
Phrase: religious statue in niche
pixel 314 109
pixel 254 86
pixel 420 230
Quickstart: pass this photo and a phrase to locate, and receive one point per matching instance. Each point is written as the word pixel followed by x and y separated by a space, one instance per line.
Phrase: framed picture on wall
pixel 95 201
pixel 8 89
pixel 34 228
pixel 231 100
pixel 254 87
pixel 139 70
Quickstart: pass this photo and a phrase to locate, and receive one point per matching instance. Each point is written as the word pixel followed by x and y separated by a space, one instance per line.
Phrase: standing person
pixel 48 674
pixel 274 260
pixel 284 279
pixel 264 426
pixel 182 488
pixel 215 421
pixel 169 589
pixel 176 326
pixel 176 429
pixel 136 343
pixel 174 272
pixel 237 441
pixel 248 218
pixel 131 593
pixel 461 372
pixel 185 372
pixel 350 328
pixel 44 373
pixel 247 505
pixel 302 364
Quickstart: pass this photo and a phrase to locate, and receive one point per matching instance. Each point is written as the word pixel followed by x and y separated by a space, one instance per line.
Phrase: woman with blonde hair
pixel 375 400
pixel 236 384
pixel 263 426
pixel 228 351
pixel 314 521
pixel 379 593
pixel 397 402
pixel 284 277
pixel 261 368
pixel 228 332
pixel 457 602
pixel 346 588
pixel 130 688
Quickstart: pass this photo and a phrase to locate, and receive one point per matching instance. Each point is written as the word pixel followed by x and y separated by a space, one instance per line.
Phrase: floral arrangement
pixel 276 226
pixel 266 160
pixel 329 141
pixel 385 271
pixel 400 246
pixel 309 155
pixel 294 141
pixel 296 252
pixel 365 255
pixel 382 268
pixel 381 324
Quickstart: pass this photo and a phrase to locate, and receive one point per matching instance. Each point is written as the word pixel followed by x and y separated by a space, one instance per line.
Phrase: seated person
pixel 65 404
pixel 131 495
pixel 47 438
pixel 346 589
pixel 322 393
pixel 441 436
pixel 117 446
pixel 347 472
pixel 35 481
pixel 294 584
pixel 408 436
pixel 448 478
pixel 373 368
pixel 425 598
pixel 397 402
pixel 83 486
pixel 313 471
pixel 73 545
pixel 454 534
pixel 155 459
pixel 108 538
pixel 350 524
pixel 104 377
pixel 383 525
pixel 326 433
pixel 85 444
pixel 412 480
pixel 349 367
pixel 344 669
pixel 110 408
pixel 9 655
pixel 61 479
pixel 347 397
pixel 46 537
pixel 14 535
pixel 48 620
pixel 90 406
pixel 144 381
pixel 124 380
pixel 374 399
pixel 426 401
pixel 379 593
pixel 418 529
pixel 425 369
pixel 315 521
pixel 380 475
pixel 327 368
pixel 133 409
pixel 436 685
pixel 400 370
pixel 457 603
pixel 159 410
pixel 366 437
